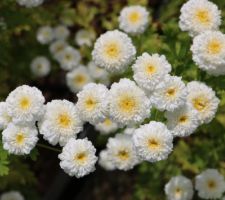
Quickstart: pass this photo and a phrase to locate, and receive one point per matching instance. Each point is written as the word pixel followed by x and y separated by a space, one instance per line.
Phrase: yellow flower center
pixel 214 47
pixel 171 92
pixel 200 103
pixel 64 120
pixel 202 16
pixel 25 103
pixel 90 103
pixel 123 155
pixel 80 79
pixel 112 50
pixel 68 57
pixel 107 122
pixel 20 138
pixel 150 69
pixel 211 184
pixel 183 119
pixel 59 48
pixel 153 144
pixel 127 104
pixel 80 158
pixel 134 17
pixel 178 193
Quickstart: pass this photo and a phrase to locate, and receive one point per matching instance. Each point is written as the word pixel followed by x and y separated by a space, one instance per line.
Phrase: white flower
pixel 12 195
pixel 40 66
pixel 60 122
pixel 78 78
pixel 93 103
pixel 183 121
pixel 128 104
pixel 153 141
pixel 104 161
pixel 106 127
pixel 45 34
pixel 69 58
pixel 78 157
pixel 199 16
pixel 121 152
pixel 150 70
pixel 134 19
pixel 19 140
pixel 84 37
pixel 209 52
pixel 179 188
pixel 30 3
pixel 129 130
pixel 202 99
pixel 210 184
pixel 5 119
pixel 57 47
pixel 96 72
pixel 61 32
pixel 113 51
pixel 25 105
pixel 170 94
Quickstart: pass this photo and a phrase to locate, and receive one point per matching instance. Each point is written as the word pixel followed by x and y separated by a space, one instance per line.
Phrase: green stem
pixel 48 147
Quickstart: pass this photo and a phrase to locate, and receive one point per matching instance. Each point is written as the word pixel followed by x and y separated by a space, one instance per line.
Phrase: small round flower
pixel 12 195
pixel 78 78
pixel 210 184
pixel 25 105
pixel 209 52
pixel 150 70
pixel 170 94
pixel 113 51
pixel 129 130
pixel 57 47
pixel 84 37
pixel 183 121
pixel 121 152
pixel 153 141
pixel 40 66
pixel 69 58
pixel 19 140
pixel 92 103
pixel 78 157
pixel 30 3
pixel 179 188
pixel 96 72
pixel 128 104
pixel 199 16
pixel 105 161
pixel 45 34
pixel 202 99
pixel 61 32
pixel 106 127
pixel 134 19
pixel 5 119
pixel 60 122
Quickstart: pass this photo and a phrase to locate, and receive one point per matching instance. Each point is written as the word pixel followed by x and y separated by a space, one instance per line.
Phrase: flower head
pixel 12 195
pixel 30 3
pixel 40 66
pixel 57 47
pixel 106 127
pixel 105 161
pixel 5 119
pixel 45 34
pixel 84 37
pixel 61 32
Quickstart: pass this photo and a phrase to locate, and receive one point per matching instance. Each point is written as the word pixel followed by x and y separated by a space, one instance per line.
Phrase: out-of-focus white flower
pixel 209 52
pixel 202 99
pixel 134 19
pixel 30 3
pixel 60 122
pixel 92 103
pixel 69 58
pixel 19 140
pixel 78 157
pixel 61 32
pixel 25 105
pixel 121 152
pixel 57 47
pixel 150 70
pixel 96 72
pixel 128 104
pixel 45 34
pixel 210 184
pixel 105 161
pixel 84 37
pixel 78 78
pixel 153 141
pixel 40 66
pixel 170 94
pixel 129 130
pixel 12 195
pixel 179 188
pixel 113 51
pixel 199 16
pixel 5 119
pixel 106 127
pixel 183 121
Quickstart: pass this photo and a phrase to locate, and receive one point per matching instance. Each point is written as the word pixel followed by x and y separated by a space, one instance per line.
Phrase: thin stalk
pixel 48 147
